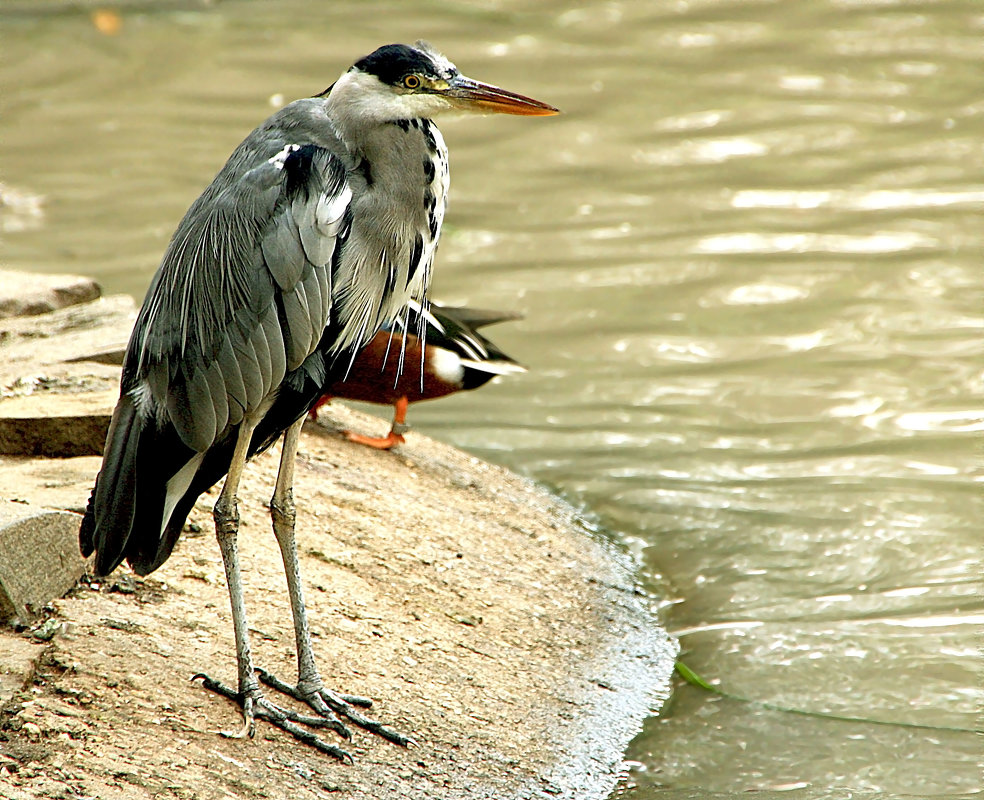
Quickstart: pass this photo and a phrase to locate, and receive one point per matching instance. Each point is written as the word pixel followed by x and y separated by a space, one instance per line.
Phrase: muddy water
pixel 749 256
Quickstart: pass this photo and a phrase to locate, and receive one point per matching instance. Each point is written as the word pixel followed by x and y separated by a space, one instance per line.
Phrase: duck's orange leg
pixel 394 437
pixel 322 401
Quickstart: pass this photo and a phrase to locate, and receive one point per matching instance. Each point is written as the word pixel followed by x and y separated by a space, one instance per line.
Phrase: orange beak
pixel 470 95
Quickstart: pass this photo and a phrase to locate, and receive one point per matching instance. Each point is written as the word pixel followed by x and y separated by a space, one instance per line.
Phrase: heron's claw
pixel 329 704
pixel 256 706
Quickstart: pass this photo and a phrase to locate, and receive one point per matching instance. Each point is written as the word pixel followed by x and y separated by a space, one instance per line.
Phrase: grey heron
pixel 320 228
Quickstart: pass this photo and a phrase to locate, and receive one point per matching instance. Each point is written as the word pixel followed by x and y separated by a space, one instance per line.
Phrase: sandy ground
pixel 474 607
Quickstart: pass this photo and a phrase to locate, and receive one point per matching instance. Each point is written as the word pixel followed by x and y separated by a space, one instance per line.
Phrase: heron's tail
pixel 124 516
pixel 108 520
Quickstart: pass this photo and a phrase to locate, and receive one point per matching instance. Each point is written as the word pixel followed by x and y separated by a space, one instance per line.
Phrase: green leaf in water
pixel 693 678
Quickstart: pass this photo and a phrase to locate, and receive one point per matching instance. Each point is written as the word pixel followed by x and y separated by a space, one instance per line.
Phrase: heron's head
pixel 398 81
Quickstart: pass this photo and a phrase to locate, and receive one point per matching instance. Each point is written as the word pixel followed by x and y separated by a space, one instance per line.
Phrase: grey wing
pixel 243 294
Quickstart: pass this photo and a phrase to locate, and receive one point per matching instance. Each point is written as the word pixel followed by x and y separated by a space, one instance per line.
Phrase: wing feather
pixel 296 324
pixel 270 327
pixel 283 254
pixel 218 394
pixel 245 355
pixel 242 296
pixel 317 298
pixel 258 341
pixel 192 412
pixel 232 375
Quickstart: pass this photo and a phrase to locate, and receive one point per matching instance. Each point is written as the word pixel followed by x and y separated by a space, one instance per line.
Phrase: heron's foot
pixel 332 705
pixel 387 442
pixel 255 706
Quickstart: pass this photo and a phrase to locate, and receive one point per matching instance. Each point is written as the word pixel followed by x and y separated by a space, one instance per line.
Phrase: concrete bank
pixel 471 604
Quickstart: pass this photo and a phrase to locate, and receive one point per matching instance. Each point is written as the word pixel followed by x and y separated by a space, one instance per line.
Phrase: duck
pixel 394 369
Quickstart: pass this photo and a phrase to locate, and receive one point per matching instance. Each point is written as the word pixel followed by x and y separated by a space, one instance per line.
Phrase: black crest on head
pixel 393 61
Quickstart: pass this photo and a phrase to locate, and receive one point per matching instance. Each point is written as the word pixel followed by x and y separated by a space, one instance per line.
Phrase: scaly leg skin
pixel 394 437
pixel 249 696
pixel 283 718
pixel 309 688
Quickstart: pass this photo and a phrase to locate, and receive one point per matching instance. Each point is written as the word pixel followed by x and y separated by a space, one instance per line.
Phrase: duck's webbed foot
pixel 393 438
pixel 387 442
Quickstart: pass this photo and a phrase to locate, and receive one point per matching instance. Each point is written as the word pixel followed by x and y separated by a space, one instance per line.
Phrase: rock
pixel 70 342
pixel 56 426
pixel 27 293
pixel 59 377
pixel 39 558
pixel 61 483
pixel 18 662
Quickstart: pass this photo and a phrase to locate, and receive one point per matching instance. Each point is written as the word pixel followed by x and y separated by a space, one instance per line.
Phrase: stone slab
pixel 72 342
pixel 61 483
pixel 39 558
pixel 59 377
pixel 28 293
pixel 56 425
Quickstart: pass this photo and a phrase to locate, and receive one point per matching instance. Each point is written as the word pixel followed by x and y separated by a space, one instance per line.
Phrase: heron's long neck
pixel 397 216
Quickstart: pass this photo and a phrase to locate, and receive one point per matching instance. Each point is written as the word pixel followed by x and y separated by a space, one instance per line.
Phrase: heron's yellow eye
pixel 411 82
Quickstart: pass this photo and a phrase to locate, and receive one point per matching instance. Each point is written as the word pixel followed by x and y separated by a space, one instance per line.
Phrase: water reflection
pixel 749 258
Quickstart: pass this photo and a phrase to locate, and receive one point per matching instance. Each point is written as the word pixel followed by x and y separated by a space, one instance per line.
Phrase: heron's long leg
pixel 226 516
pixel 249 696
pixel 310 687
pixel 283 512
